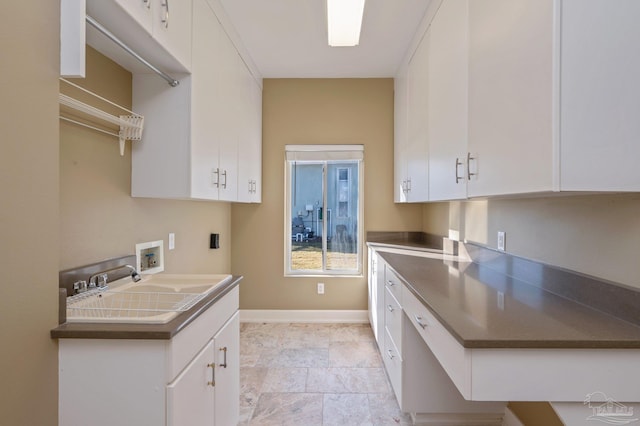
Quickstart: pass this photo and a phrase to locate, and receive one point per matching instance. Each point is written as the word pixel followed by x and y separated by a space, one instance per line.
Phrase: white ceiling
pixel 288 38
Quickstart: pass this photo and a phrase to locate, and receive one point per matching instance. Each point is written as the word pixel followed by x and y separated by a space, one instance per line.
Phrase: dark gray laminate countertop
pixel 143 331
pixel 484 308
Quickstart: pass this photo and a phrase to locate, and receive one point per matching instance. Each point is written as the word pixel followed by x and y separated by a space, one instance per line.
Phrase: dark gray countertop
pixel 464 296
pixel 143 331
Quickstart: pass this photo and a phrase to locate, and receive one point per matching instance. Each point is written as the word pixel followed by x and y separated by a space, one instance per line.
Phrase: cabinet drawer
pixel 393 283
pixel 393 318
pixel 455 359
pixel 393 364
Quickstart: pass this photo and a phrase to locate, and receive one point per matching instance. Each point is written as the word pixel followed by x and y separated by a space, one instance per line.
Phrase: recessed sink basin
pixel 154 299
pixel 175 283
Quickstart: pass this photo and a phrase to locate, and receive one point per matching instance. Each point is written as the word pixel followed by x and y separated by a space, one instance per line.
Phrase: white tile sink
pixel 175 283
pixel 155 299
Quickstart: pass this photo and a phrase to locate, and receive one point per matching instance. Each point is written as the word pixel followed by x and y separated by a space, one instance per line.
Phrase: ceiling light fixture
pixel 344 21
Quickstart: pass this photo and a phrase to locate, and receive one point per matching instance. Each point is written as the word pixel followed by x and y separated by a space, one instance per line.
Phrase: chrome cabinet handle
pixel 390 308
pixel 147 3
pixel 224 185
pixel 217 173
pixel 458 164
pixel 419 321
pixel 165 19
pixel 212 383
pixel 469 158
pixel 390 283
pixel 390 354
pixel 224 364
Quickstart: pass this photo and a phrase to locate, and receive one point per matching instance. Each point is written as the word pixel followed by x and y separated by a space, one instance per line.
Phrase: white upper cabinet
pixel 173 30
pixel 158 30
pixel 191 148
pixel 528 96
pixel 250 140
pixel 400 137
pixel 447 101
pixel 600 95
pixel 414 153
pixel 510 96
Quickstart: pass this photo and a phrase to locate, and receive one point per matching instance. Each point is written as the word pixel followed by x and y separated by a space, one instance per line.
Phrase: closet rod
pixel 95 24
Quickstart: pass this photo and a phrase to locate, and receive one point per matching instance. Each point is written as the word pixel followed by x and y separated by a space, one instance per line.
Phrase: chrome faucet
pixel 99 280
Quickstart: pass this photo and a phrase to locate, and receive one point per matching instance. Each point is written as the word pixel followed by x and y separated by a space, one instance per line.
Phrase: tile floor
pixel 314 374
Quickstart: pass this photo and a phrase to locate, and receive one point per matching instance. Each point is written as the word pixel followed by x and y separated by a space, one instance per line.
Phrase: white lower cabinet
pixel 376 296
pixel 227 373
pixel 190 395
pixel 420 383
pixel 192 379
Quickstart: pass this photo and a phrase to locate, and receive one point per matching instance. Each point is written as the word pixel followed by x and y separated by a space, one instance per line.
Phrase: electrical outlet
pixel 501 240
pixel 172 241
pixel 320 288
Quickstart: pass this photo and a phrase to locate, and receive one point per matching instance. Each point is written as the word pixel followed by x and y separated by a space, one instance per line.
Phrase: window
pixel 322 209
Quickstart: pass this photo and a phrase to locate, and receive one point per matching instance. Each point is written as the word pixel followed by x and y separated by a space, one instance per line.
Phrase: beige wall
pixel 29 212
pixel 316 111
pixel 99 219
pixel 593 234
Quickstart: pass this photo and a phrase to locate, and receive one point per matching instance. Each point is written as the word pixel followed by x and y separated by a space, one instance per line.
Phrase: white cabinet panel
pixel 400 137
pixel 191 146
pixel 227 384
pixel 510 96
pixel 417 155
pixel 447 94
pixel 250 141
pixel 190 396
pixel 172 27
pixel 600 95
pixel 376 296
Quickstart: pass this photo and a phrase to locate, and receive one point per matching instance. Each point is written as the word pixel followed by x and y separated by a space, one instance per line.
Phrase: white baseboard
pixel 308 316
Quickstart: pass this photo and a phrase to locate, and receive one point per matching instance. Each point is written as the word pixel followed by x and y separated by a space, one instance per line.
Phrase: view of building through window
pixel 324 203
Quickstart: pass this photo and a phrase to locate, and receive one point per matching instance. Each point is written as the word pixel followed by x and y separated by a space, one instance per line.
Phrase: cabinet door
pixel 374 302
pixel 600 97
pixel 510 96
pixel 447 90
pixel 227 115
pixel 227 349
pixel 140 10
pixel 172 27
pixel 400 137
pixel 417 112
pixel 250 152
pixel 190 397
pixel 205 172
pixel 256 140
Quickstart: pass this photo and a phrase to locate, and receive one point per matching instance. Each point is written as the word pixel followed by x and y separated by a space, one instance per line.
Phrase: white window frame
pixel 321 154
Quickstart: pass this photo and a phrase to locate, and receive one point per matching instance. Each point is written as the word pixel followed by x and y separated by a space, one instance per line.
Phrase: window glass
pixel 323 210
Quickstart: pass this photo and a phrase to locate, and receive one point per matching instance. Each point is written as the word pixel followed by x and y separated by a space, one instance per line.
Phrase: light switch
pixel 172 241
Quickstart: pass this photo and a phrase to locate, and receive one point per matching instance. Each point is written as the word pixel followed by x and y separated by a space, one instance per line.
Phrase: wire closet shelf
pixel 130 125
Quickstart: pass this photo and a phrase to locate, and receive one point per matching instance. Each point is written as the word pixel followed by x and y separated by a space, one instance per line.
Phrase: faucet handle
pixel 102 280
pixel 79 287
